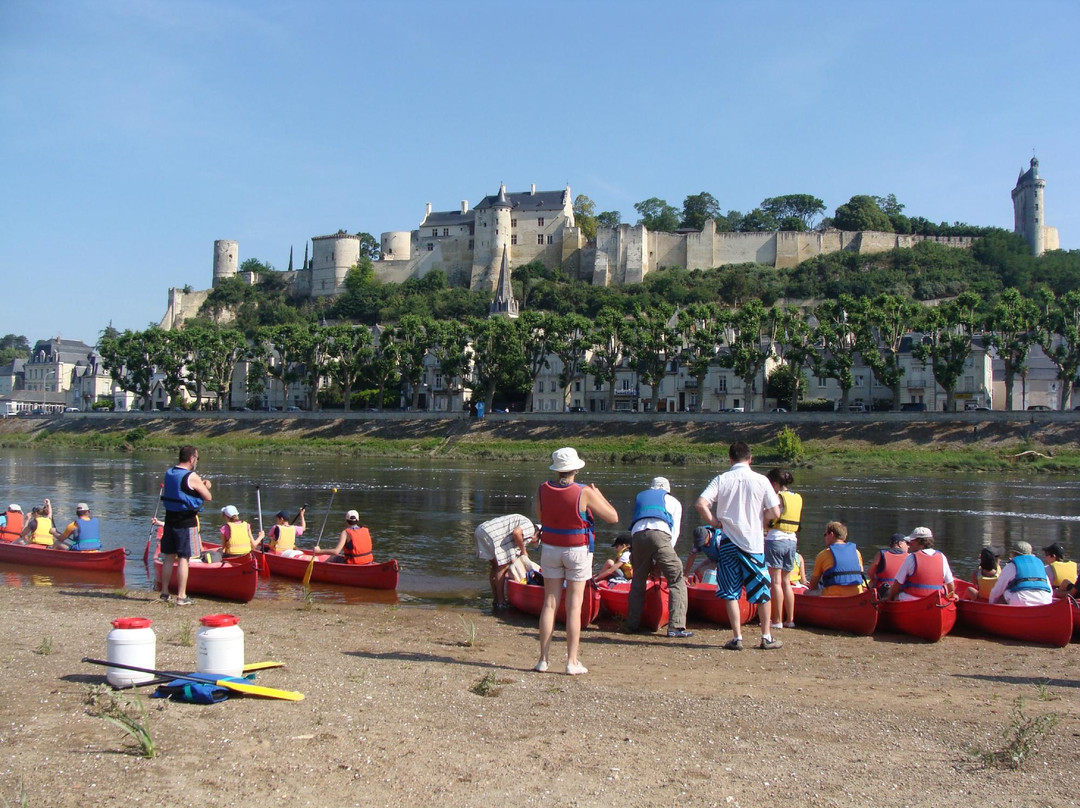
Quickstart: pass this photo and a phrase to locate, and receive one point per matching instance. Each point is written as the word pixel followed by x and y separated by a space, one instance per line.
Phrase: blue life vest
pixel 845 570
pixel 172 495
pixel 650 504
pixel 1030 575
pixel 87 534
pixel 707 540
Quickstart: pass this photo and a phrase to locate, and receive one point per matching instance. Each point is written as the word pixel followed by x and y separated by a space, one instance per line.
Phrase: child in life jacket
pixel 618 568
pixel 986 575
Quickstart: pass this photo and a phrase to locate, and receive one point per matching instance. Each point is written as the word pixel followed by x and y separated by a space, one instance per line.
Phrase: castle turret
pixel 331 258
pixel 1028 212
pixel 491 240
pixel 225 260
pixel 504 304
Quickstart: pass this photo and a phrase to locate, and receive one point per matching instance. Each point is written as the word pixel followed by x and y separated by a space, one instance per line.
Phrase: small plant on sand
pixel 46 646
pixel 119 593
pixel 309 598
pixel 21 800
pixel 1022 737
pixel 1044 692
pixel 470 632
pixel 185 635
pixel 486 686
pixel 128 714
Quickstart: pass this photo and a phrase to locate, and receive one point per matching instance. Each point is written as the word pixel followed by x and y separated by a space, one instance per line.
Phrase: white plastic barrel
pixel 219 645
pixel 131 642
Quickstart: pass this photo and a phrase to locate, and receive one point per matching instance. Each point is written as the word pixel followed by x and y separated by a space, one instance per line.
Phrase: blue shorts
pixel 780 554
pixel 181 541
pixel 737 569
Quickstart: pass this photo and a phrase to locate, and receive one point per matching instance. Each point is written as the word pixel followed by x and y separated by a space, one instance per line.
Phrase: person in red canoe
pixel 354 543
pixel 1023 580
pixel 236 538
pixel 84 533
pixel 882 570
pixel 924 571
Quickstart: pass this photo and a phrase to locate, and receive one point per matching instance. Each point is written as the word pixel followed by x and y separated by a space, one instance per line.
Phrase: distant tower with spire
pixel 491 240
pixel 504 304
pixel 1028 211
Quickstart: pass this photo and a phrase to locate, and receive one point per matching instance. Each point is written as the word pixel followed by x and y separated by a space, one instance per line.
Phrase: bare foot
pixel 575 669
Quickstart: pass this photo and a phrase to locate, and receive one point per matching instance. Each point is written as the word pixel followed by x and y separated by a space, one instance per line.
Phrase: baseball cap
pixel 282 515
pixel 352 516
pixel 920 533
pixel 1055 549
pixel 82 507
pixel 14 507
pixel 661 482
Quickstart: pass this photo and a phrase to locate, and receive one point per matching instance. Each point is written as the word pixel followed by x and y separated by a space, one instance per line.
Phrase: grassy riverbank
pixel 1020 444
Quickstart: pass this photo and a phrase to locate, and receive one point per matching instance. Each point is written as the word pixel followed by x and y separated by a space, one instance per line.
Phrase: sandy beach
pixel 389 716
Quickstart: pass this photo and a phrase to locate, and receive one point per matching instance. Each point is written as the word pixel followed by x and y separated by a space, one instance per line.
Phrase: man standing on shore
pixel 183 494
pixel 741 502
pixel 654 530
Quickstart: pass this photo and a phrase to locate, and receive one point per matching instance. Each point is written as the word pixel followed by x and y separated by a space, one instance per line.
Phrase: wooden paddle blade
pixel 241 686
pixel 309 570
pixel 261 666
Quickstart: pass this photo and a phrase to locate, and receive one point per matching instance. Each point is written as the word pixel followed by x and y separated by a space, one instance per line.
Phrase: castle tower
pixel 504 304
pixel 1028 211
pixel 225 260
pixel 331 258
pixel 491 240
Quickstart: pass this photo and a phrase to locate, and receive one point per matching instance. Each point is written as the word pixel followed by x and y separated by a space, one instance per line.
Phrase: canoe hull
pixel 616 599
pixel 235 579
pixel 529 598
pixel 41 556
pixel 929 618
pixel 857 614
pixel 380 575
pixel 1051 624
pixel 701 602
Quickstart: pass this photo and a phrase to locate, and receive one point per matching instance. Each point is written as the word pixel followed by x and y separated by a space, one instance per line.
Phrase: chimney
pixel 533 191
pixel 464 206
pixel 428 210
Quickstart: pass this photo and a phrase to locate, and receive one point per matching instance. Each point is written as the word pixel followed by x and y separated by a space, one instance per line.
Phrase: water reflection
pixel 423 511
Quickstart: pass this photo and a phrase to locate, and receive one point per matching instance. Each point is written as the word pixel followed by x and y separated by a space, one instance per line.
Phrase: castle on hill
pixel 469 244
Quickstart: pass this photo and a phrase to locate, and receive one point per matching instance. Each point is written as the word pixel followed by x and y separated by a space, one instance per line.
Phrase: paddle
pixel 311 563
pixel 264 568
pixel 153 527
pixel 227 682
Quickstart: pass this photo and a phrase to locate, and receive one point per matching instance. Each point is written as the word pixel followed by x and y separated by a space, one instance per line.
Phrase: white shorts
pixel 571 563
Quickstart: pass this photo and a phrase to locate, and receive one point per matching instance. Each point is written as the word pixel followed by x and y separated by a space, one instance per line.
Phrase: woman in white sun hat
pixel 566 510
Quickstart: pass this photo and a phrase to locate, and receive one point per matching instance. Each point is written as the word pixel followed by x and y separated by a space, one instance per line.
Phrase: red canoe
pixel 381 575
pixel 1076 618
pixel 857 614
pixel 42 556
pixel 529 598
pixel 235 579
pixel 1051 624
pixel 929 618
pixel 701 601
pixel 615 597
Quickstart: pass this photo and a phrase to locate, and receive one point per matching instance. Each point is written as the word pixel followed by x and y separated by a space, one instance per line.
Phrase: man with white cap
pixel 654 530
pixel 354 543
pixel 1023 580
pixel 84 533
pixel 236 538
pixel 924 571
pixel 12 522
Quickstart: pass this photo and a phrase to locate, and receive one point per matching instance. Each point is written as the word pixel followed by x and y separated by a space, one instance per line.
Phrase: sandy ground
pixel 389 718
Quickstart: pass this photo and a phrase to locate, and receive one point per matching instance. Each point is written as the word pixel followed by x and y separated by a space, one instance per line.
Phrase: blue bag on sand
pixel 191 692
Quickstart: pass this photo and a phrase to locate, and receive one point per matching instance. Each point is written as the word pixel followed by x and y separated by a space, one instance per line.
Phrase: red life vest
pixel 889 564
pixel 357 549
pixel 14 527
pixel 563 524
pixel 929 573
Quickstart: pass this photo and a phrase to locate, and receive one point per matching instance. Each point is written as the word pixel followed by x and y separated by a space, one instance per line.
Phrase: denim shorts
pixel 780 554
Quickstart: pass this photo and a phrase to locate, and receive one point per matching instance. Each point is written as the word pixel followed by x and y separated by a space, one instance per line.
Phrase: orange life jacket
pixel 563 524
pixel 16 520
pixel 890 564
pixel 929 574
pixel 357 549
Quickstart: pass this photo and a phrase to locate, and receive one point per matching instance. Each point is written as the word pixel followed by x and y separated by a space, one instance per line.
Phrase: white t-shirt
pixel 674 507
pixel 739 497
pixel 1025 597
pixel 908 567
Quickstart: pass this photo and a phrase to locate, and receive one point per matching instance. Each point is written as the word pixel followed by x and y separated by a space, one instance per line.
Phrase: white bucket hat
pixel 566 460
pixel 661 482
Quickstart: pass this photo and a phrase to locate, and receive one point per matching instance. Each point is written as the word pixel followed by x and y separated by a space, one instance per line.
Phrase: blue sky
pixel 136 132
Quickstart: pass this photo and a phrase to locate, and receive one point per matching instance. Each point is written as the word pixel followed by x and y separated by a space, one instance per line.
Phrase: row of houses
pixel 69 375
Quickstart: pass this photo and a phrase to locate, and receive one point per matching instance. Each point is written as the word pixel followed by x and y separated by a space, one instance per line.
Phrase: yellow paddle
pixel 227 682
pixel 311 563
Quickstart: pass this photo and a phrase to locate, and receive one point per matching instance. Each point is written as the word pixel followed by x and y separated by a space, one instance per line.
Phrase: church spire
pixel 290 258
pixel 504 303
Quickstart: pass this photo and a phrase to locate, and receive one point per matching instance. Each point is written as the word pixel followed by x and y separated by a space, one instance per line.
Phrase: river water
pixel 423 511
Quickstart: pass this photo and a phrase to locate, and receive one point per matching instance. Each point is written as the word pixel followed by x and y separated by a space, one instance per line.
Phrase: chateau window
pixel 721 384
pixel 446 231
pixel 513 222
pixel 858 381
pixel 430 247
pixel 540 222
pixel 513 240
pixel 434 231
pixel 551 239
pixel 470 244
pixel 540 238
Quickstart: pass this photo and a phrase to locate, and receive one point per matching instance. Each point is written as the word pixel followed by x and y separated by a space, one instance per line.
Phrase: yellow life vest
pixel 42 532
pixel 286 538
pixel 239 539
pixel 986 583
pixel 1064 571
pixel 790 512
pixel 796 574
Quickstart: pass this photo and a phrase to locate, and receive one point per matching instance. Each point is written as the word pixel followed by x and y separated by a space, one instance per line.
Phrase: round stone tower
pixel 396 245
pixel 225 260
pixel 331 258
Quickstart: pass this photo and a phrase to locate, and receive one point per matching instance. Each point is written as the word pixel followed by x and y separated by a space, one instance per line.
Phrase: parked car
pixel 858 408
pixel 913 406
pixel 577 409
pixel 1039 408
pixel 294 409
pixel 777 409
pixel 71 409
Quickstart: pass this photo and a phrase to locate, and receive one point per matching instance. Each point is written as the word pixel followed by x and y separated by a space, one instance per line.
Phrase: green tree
pixel 880 327
pixel 383 369
pixel 348 351
pixel 758 221
pixel 13 347
pixel 1059 337
pixel 569 341
pixel 498 357
pixel 861 212
pixel 1012 328
pixel 836 344
pixel 699 208
pixel 658 215
pixel 212 354
pixel 536 331
pixel 652 341
pixel 291 345
pixel 794 211
pixel 450 340
pixel 702 326
pixel 369 247
pixel 413 340
pixel 129 356
pixel 256 266
pixel 585 216
pixel 948 331
pixel 746 354
pixel 608 218
pixel 169 358
pixel 606 338
pixel 796 347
